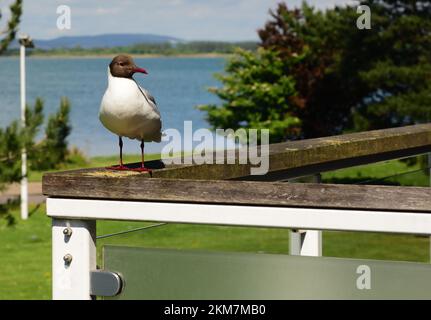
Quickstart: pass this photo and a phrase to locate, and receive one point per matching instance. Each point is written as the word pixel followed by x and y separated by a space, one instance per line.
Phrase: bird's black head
pixel 123 66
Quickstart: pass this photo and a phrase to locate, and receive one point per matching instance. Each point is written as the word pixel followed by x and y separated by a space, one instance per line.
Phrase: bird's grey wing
pixel 149 95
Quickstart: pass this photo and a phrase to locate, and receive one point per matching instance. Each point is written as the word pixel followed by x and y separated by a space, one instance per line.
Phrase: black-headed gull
pixel 129 110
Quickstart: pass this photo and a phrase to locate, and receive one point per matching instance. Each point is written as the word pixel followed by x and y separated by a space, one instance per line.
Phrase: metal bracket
pixel 105 283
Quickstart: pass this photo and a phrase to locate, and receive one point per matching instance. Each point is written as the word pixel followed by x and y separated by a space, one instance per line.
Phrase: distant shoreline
pixel 95 56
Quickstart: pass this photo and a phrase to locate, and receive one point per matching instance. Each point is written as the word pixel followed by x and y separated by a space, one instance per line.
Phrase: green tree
pixel 12 25
pixel 48 153
pixel 303 42
pixel 256 94
pixel 397 81
pixel 9 136
pixel 354 79
pixel 320 103
pixel 12 139
pixel 346 78
pixel 52 150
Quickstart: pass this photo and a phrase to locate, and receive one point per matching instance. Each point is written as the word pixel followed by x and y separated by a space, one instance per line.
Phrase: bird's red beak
pixel 140 70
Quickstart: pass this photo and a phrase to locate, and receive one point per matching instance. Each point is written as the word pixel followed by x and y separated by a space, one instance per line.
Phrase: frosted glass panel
pixel 175 274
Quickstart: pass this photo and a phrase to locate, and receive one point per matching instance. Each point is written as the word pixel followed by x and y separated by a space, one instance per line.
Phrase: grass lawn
pixel 397 173
pixel 25 251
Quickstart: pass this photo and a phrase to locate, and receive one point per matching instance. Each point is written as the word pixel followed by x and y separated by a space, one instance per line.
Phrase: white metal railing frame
pixel 74 255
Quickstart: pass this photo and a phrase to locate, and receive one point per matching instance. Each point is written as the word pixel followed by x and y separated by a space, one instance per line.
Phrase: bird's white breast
pixel 126 112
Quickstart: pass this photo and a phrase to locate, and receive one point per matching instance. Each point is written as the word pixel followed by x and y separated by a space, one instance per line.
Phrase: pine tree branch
pixel 12 25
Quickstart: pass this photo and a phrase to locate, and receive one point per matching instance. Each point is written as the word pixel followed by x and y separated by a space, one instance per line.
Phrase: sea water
pixel 178 84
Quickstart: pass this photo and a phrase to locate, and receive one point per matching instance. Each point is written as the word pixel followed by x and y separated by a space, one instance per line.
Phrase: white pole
pixel 24 182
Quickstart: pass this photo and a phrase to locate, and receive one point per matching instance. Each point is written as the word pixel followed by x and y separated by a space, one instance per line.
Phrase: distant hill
pixel 101 41
pixel 111 44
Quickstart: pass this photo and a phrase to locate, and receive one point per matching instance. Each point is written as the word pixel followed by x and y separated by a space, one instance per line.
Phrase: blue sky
pixel 186 19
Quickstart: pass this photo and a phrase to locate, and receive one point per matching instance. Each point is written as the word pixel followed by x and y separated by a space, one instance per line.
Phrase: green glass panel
pixel 179 274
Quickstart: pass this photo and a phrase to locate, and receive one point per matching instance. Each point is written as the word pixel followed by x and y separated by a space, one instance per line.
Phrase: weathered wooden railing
pixel 221 195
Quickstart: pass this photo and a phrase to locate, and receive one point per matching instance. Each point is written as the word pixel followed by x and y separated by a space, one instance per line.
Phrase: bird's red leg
pixel 142 168
pixel 120 143
pixel 142 154
pixel 121 166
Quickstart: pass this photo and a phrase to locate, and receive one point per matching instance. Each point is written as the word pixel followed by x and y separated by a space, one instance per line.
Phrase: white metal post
pixel 73 258
pixel 306 242
pixel 24 182
pixel 295 242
